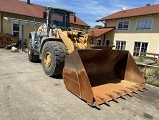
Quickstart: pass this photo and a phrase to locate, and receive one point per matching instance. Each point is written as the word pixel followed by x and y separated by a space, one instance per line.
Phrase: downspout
pixel 22 39
pixel 22 31
pixel 1 22
pixel 34 25
pixel 101 40
pixel 104 39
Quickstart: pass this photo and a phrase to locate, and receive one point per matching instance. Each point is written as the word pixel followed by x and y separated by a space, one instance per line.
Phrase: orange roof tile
pixel 78 21
pixel 146 10
pixel 99 31
pixel 32 10
pixel 22 8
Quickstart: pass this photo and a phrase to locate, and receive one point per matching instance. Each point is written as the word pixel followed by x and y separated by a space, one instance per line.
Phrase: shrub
pixel 140 59
pixel 153 81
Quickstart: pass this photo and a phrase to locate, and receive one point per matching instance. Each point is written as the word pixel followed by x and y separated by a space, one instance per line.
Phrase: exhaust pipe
pixel 28 1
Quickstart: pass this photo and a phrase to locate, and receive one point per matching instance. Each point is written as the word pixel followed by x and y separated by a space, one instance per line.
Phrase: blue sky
pixel 91 10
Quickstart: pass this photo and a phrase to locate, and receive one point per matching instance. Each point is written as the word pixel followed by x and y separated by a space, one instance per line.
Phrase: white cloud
pixel 118 4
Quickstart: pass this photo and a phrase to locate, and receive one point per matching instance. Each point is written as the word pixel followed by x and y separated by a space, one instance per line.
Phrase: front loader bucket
pixel 100 75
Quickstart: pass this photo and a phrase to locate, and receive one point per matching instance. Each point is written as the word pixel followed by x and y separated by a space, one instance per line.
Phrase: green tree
pixel 98 26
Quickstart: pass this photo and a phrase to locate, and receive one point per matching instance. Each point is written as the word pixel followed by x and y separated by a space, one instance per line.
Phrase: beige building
pixel 19 18
pixel 136 30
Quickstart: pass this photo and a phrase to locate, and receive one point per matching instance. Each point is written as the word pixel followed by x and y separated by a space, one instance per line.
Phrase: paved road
pixel 26 93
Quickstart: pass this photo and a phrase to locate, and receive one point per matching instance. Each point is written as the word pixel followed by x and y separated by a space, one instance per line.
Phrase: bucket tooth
pixel 141 85
pixel 106 102
pixel 127 92
pixel 145 88
pixel 140 90
pixel 112 97
pixel 138 87
pixel 132 89
pixel 103 100
pixel 98 100
pixel 120 94
pixel 96 105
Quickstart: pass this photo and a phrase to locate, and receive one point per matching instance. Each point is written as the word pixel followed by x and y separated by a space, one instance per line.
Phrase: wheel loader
pixel 96 74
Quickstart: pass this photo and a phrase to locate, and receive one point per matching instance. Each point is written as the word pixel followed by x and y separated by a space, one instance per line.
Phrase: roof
pixel 78 21
pixel 146 10
pixel 21 8
pixel 99 31
pixel 55 8
pixel 31 10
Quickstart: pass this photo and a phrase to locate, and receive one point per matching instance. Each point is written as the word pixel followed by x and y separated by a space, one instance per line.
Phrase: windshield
pixel 59 19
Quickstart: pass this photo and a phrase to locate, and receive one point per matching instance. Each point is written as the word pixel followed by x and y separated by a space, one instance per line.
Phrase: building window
pixel 144 24
pixel 140 48
pixel 16 30
pixel 107 42
pixel 120 45
pixel 99 42
pixel 123 25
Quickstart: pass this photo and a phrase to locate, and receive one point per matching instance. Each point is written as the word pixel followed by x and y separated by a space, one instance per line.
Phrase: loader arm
pixel 66 40
pixel 74 39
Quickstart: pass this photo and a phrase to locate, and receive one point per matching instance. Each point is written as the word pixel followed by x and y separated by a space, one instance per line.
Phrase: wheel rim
pixel 47 59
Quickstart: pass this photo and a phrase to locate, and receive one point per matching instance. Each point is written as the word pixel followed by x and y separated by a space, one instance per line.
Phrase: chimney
pixel 147 4
pixel 28 1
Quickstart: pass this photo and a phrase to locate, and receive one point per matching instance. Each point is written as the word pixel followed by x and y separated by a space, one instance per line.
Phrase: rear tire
pixel 53 57
pixel 31 56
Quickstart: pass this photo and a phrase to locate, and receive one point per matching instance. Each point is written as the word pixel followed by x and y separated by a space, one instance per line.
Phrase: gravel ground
pixel 26 93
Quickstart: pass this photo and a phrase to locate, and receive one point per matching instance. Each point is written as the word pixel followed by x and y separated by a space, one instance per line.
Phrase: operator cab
pixel 58 18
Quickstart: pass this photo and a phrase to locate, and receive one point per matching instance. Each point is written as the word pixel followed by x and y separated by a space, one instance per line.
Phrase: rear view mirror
pixel 44 15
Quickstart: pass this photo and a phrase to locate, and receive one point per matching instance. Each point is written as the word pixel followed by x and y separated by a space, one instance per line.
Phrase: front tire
pixel 53 57
pixel 31 56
